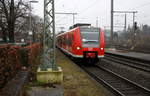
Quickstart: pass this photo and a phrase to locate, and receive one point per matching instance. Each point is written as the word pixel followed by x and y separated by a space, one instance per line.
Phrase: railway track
pixel 128 48
pixel 128 61
pixel 119 86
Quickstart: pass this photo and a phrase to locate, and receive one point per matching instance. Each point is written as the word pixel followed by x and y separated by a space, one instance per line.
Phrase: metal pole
pixel 73 18
pixel 133 29
pixel 30 21
pixel 125 23
pixel 133 12
pixel 1 14
pixel 73 14
pixel 54 36
pixel 30 24
pixel 97 22
pixel 133 18
pixel 49 36
pixel 43 67
pixel 111 33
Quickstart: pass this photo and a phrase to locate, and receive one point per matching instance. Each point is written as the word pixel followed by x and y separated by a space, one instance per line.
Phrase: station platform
pixel 137 55
pixel 75 82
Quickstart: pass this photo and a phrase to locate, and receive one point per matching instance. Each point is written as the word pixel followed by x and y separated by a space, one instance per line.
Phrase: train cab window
pixel 90 37
pixel 72 37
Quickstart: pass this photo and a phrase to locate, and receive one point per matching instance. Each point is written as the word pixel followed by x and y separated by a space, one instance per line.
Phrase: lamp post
pixel 30 23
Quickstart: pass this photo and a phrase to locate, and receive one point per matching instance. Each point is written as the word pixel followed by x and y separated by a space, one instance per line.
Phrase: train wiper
pixel 86 41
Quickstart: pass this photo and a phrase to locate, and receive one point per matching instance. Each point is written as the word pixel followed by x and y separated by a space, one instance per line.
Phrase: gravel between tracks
pixel 132 74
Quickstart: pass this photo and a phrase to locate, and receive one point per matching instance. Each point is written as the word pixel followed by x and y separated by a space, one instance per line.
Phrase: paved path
pixel 39 91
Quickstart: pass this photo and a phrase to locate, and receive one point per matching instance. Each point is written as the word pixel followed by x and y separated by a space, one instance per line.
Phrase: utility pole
pixel 133 18
pixel 125 23
pixel 31 33
pixel 73 14
pixel 74 18
pixel 1 14
pixel 97 22
pixel 134 34
pixel 133 12
pixel 134 23
pixel 112 17
pixel 49 72
pixel 49 36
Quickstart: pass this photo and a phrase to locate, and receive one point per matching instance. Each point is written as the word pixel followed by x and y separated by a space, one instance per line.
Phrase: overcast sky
pixel 89 10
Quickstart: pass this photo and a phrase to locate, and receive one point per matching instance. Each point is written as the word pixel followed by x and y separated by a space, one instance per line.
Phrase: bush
pixel 14 58
pixel 33 51
pixel 9 63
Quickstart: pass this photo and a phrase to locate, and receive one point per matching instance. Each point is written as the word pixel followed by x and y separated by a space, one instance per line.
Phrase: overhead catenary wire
pixel 146 4
pixel 58 2
pixel 58 20
pixel 142 6
pixel 89 6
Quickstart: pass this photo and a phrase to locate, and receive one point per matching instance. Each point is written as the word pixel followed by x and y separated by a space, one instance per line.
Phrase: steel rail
pixel 115 90
pixel 127 62
pixel 101 81
pixel 131 82
pixel 132 64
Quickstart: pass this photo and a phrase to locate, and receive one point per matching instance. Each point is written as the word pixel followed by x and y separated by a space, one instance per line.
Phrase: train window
pixel 90 37
pixel 72 37
pixel 63 40
pixel 68 40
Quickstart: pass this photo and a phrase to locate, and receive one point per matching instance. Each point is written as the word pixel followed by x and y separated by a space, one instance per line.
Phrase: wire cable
pixel 90 6
pixel 146 4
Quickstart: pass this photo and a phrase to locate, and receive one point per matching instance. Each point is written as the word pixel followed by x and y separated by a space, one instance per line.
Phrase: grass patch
pixel 76 82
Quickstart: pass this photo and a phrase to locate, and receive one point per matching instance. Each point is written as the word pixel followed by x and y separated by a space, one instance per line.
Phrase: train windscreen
pixel 90 37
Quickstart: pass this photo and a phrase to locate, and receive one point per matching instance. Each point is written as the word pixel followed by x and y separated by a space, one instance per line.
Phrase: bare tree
pixel 23 28
pixel 11 12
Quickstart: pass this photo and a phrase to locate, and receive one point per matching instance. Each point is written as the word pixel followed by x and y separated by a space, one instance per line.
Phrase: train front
pixel 92 43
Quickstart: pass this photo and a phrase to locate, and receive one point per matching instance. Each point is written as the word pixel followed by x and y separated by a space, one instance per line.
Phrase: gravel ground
pixel 76 82
pixel 132 74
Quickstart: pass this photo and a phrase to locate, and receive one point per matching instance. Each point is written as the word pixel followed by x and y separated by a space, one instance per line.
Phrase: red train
pixel 82 41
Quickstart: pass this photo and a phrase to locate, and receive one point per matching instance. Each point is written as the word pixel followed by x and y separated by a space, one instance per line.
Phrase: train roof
pixel 79 25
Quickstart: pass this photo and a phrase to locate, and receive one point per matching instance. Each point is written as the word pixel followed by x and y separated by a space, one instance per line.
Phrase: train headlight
pixel 78 48
pixel 102 48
